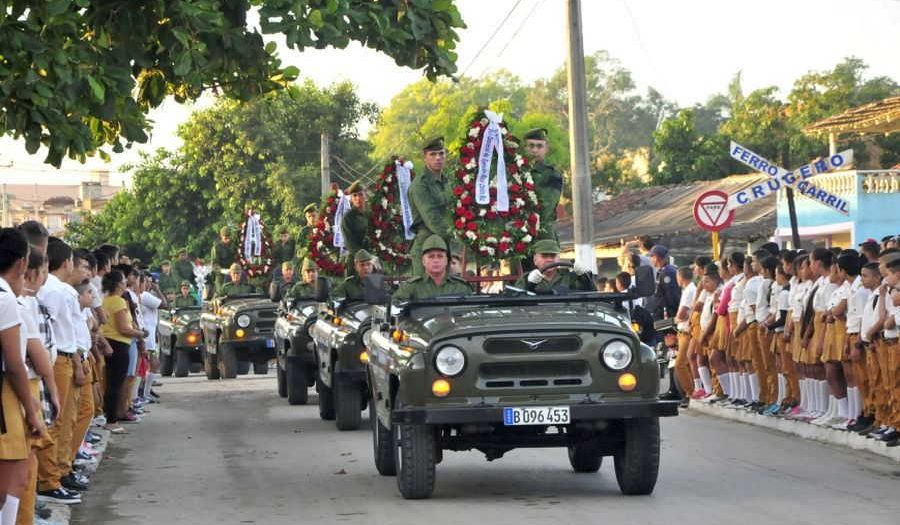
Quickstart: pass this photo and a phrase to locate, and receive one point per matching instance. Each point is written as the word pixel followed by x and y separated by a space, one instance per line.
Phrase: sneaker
pixel 130 418
pixel 844 425
pixel 116 429
pixel 93 439
pixel 99 421
pixel 836 420
pixel 894 443
pixel 153 394
pixel 890 435
pixel 60 495
pixel 70 483
pixel 699 394
pixel 878 432
pixel 81 478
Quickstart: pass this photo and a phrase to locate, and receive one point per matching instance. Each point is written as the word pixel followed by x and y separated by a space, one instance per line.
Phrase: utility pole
pixel 792 206
pixel 582 202
pixel 326 163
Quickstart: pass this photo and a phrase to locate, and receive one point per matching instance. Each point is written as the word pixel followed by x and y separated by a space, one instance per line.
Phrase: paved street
pixel 233 452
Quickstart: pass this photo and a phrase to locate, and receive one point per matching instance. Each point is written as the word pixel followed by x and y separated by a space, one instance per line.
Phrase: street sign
pixel 711 211
pixel 796 179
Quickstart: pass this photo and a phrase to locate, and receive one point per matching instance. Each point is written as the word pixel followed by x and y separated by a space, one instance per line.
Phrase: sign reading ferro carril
pixel 796 179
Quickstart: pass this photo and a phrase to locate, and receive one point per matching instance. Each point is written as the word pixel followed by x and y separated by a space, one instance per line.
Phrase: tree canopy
pixel 78 76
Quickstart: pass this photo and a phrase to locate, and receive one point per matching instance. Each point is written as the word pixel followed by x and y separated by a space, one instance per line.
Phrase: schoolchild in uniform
pixel 821 260
pixel 833 350
pixel 885 348
pixel 766 264
pixel 892 278
pixel 712 285
pixel 794 332
pixel 860 400
pixel 682 318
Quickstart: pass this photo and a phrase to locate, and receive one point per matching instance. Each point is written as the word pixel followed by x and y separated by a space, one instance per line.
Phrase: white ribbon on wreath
pixel 253 239
pixel 342 208
pixel 492 143
pixel 403 180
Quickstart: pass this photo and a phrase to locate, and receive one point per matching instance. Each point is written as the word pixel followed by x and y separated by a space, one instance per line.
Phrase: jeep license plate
pixel 270 343
pixel 536 416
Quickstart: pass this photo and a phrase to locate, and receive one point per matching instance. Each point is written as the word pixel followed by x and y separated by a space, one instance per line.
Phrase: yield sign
pixel 711 211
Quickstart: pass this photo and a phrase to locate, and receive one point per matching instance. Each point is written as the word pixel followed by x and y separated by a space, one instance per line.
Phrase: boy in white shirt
pixel 682 364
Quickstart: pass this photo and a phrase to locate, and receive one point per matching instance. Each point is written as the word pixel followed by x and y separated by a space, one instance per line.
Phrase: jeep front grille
pixel 532 345
pixel 534 374
pixel 267 314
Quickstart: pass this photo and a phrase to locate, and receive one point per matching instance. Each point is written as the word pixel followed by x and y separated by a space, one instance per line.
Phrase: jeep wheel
pixel 347 400
pixel 243 367
pixel 182 363
pixel 637 462
pixel 211 364
pixel 382 444
pixel 415 461
pixel 228 360
pixel 326 401
pixel 296 384
pixel 280 381
pixel 584 458
pixel 165 364
pixel 261 367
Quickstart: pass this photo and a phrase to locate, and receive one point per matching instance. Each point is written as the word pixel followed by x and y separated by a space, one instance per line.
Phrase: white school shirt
pixel 855 305
pixel 29 330
pixel 751 293
pixel 139 318
pixel 798 302
pixel 707 314
pixel 61 300
pixel 891 333
pixel 841 293
pixel 10 316
pixel 869 315
pixel 737 295
pixel 150 313
pixel 98 294
pixel 763 300
pixel 83 333
pixel 823 294
pixel 688 294
pixel 784 303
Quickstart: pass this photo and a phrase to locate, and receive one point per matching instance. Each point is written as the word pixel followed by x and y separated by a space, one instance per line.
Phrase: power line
pixel 521 25
pixel 488 41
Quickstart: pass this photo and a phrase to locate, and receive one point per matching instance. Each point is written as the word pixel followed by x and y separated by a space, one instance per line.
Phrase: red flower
pixel 467 200
pixel 472 226
pixel 465 159
pixel 520 247
pixel 517 224
pixel 458 191
pixel 391 198
pixel 490 215
pixel 532 218
pixel 529 186
pixel 503 247
pixel 330 200
pixel 460 212
pixel 470 186
pixel 515 188
pixel 469 215
pixel 513 210
pixel 460 224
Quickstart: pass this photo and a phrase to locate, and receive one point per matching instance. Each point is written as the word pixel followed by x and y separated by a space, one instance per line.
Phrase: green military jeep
pixel 294 349
pixel 179 339
pixel 494 373
pixel 238 330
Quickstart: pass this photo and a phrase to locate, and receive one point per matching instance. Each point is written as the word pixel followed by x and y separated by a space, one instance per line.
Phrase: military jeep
pixel 495 373
pixel 294 349
pixel 341 362
pixel 238 330
pixel 179 339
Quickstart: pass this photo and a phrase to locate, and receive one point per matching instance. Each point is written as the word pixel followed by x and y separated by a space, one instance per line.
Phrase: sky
pixel 687 50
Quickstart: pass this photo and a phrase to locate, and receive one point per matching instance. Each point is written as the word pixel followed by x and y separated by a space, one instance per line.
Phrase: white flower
pixel 378 235
pixel 520 161
pixel 491 240
pixel 520 202
pixel 484 121
pixel 388 178
pixel 320 245
pixel 384 202
pixel 473 132
pixel 471 235
pixel 482 212
pixel 526 238
pixel 533 196
pixel 503 131
pixel 494 208
pixel 467 178
pixel 490 251
pixel 524 228
pixel 505 239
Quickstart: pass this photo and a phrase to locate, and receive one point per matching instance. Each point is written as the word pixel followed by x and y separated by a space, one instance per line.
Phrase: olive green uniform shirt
pixel 355 227
pixel 351 290
pixel 302 247
pixel 301 290
pixel 168 282
pixel 232 288
pixel 548 185
pixel 182 301
pixel 425 287
pixel 282 252
pixel 183 271
pixel 222 255
pixel 563 278
pixel 429 203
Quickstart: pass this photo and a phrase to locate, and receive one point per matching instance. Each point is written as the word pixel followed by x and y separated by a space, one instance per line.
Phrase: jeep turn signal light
pixel 337 321
pixel 397 335
pixel 627 382
pixel 364 357
pixel 192 338
pixel 240 333
pixel 440 388
pixel 636 328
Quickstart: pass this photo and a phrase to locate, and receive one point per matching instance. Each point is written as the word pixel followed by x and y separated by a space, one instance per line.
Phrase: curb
pixel 62 514
pixel 805 430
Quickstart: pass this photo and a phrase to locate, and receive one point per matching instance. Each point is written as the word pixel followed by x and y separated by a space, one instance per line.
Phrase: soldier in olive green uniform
pixel 355 224
pixel 437 280
pixel 306 288
pixel 312 215
pixel 352 289
pixel 168 283
pixel 546 251
pixel 282 250
pixel 184 298
pixel 235 286
pixel 183 269
pixel 223 255
pixel 429 201
pixel 548 182
pixel 278 288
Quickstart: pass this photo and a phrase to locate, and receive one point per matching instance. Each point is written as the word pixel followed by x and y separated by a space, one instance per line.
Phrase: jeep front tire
pixel 415 460
pixel 637 462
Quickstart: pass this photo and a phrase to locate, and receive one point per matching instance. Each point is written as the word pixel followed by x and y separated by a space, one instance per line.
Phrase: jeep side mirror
pixel 373 288
pixel 323 289
pixel 644 285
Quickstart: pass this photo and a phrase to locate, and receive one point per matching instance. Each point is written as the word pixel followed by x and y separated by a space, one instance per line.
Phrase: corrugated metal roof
pixel 667 211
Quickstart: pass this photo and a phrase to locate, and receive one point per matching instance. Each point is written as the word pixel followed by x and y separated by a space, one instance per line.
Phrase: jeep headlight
pixel 616 355
pixel 243 320
pixel 450 361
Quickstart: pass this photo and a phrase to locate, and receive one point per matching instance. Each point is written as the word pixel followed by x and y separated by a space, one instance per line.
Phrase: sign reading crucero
pixel 797 179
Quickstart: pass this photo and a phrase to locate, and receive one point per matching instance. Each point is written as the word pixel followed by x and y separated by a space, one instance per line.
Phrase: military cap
pixel 225 230
pixel 308 265
pixel 546 246
pixel 434 242
pixel 434 144
pixel 287 264
pixel 356 187
pixel 536 134
pixel 185 283
pixel 311 207
pixel 166 262
pixel 235 267
pixel 281 230
pixel 182 250
pixel 362 256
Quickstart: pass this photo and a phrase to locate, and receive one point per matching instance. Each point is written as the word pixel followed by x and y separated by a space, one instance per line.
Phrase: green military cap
pixel 311 207
pixel 546 246
pixel 309 265
pixel 434 242
pixel 434 144
pixel 225 230
pixel 166 262
pixel 536 134
pixel 235 267
pixel 287 265
pixel 281 229
pixel 363 256
pixel 356 187
pixel 182 250
pixel 185 283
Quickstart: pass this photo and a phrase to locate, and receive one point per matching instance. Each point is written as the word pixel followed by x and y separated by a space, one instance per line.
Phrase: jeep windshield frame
pixel 616 299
